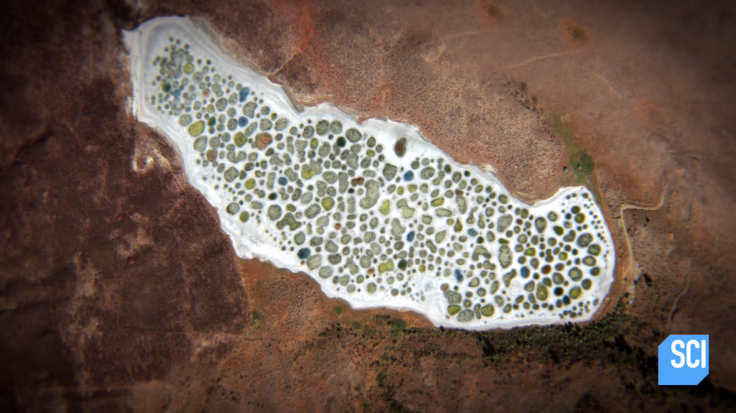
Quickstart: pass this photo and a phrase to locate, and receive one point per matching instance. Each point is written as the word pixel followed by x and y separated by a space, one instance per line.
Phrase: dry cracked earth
pixel 119 292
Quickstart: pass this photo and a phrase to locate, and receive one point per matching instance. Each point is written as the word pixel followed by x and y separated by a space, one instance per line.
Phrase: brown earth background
pixel 119 291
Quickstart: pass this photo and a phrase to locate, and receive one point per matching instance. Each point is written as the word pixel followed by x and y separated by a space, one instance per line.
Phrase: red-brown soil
pixel 118 291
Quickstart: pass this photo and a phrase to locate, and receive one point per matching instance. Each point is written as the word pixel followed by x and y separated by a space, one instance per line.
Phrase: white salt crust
pixel 260 237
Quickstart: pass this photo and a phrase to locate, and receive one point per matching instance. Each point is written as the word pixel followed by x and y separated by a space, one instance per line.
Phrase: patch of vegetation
pixel 381 380
pixel 256 315
pixel 337 310
pixel 397 327
pixel 563 126
pixel 583 166
pixel 388 358
pixel 336 332
pixel 382 319
pixel 580 163
pixel 392 404
pixel 604 340
pixel 569 343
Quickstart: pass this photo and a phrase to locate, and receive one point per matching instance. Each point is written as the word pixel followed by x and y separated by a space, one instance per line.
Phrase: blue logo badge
pixel 684 360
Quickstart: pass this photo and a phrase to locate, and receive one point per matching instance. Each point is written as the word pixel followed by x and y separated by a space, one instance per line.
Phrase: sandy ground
pixel 118 291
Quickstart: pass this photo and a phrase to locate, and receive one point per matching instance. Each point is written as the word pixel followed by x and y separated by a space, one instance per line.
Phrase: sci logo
pixel 683 360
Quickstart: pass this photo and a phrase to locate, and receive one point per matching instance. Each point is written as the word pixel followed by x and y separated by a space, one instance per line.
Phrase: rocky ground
pixel 118 291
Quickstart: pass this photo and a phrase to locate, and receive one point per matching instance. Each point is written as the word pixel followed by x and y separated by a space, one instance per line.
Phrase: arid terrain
pixel 119 291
